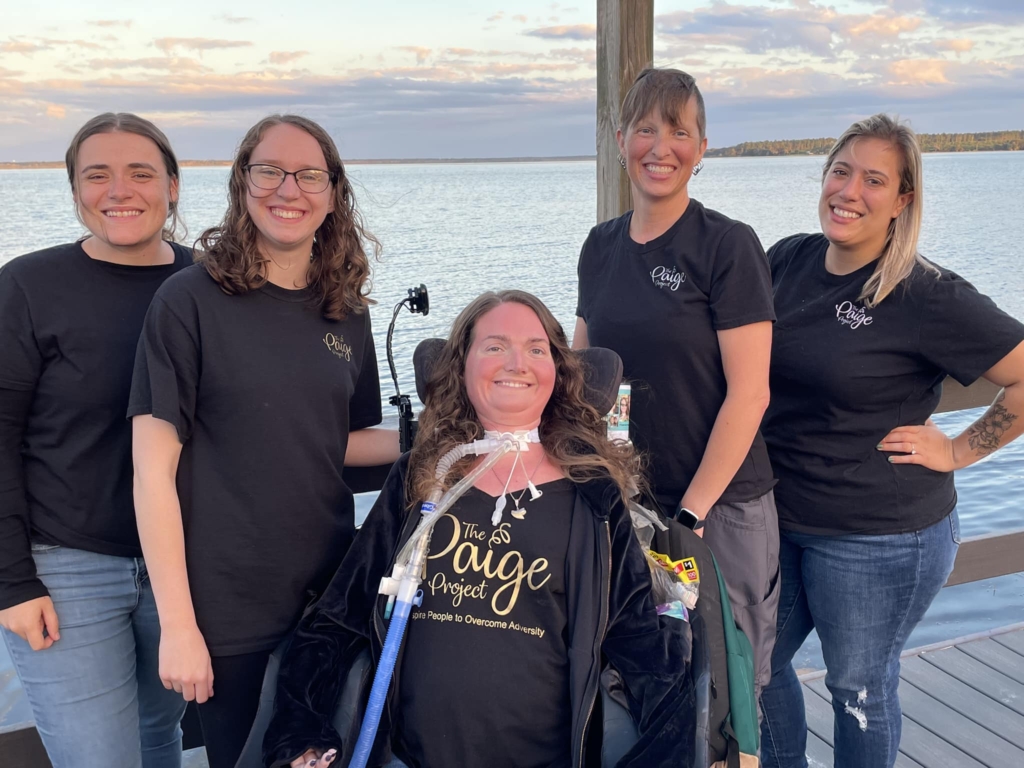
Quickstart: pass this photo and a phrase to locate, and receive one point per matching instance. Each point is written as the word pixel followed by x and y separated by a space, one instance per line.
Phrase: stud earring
pixel 622 162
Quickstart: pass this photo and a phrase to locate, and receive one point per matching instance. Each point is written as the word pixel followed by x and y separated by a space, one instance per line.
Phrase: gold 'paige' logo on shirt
pixel 850 314
pixel 338 346
pixel 667 277
pixel 473 555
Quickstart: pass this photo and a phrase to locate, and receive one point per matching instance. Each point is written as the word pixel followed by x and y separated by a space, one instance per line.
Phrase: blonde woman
pixel 866 332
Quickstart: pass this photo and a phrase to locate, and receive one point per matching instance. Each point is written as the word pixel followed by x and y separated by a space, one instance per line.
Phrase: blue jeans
pixel 96 693
pixel 864 595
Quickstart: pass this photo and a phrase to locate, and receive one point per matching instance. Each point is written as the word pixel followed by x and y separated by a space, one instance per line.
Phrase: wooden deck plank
pixel 815 692
pixel 979 676
pixel 819 754
pixel 1012 640
pixel 987 747
pixel 819 715
pixel 930 751
pixel 997 656
pixel 968 702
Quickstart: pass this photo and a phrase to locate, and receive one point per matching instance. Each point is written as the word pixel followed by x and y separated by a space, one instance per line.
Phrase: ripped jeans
pixel 864 595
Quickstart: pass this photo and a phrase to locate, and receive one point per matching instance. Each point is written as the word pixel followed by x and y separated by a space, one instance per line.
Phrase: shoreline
pixel 714 153
pixel 59 164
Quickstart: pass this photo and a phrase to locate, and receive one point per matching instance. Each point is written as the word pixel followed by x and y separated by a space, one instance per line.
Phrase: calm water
pixel 463 229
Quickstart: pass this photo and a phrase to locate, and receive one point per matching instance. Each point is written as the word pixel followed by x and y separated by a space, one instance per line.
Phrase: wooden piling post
pixel 625 45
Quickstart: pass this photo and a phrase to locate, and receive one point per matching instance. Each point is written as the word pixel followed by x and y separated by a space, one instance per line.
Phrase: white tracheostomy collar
pixel 521 439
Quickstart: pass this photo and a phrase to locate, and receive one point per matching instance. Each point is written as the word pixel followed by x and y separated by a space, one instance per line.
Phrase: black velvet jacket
pixel 612 620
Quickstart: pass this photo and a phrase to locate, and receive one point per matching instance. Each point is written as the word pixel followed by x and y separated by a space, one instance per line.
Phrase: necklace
pixel 520 512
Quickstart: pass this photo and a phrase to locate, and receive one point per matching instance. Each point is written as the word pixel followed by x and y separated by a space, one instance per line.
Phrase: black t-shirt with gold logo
pixel 263 391
pixel 485 671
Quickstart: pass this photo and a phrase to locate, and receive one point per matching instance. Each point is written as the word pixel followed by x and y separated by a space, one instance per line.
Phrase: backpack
pixel 723 660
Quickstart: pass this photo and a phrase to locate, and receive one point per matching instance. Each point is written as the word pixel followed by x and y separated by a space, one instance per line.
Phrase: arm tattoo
pixel 985 435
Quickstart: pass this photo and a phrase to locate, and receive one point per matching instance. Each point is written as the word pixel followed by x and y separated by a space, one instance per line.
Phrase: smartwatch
pixel 688 517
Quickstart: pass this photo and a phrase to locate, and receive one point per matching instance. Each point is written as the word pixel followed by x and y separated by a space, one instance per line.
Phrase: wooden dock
pixel 963 705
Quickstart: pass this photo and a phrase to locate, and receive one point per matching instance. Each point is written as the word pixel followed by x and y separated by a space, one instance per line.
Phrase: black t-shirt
pixel 485 672
pixel 263 391
pixel 843 375
pixel 69 326
pixel 660 306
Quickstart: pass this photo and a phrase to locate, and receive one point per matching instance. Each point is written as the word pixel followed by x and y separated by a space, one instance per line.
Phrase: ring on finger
pixel 913 449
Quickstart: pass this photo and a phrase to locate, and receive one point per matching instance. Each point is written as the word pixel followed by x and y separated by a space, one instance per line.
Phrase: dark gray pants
pixel 744 537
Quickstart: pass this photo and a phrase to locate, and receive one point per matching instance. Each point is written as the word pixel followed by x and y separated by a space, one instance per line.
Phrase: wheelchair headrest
pixel 602 370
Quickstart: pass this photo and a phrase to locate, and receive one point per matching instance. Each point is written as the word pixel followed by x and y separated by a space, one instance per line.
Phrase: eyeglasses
pixel 310 180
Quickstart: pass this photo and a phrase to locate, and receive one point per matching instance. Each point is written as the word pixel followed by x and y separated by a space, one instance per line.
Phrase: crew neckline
pixel 633 246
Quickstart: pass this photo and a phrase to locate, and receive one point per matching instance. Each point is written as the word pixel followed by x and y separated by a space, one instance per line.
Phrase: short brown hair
pixel 339 272
pixel 666 90
pixel 126 122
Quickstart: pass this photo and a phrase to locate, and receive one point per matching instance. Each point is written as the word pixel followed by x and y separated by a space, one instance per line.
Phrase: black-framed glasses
pixel 310 180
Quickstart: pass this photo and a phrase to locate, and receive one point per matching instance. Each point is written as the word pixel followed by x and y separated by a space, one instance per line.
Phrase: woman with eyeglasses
pixel 255 383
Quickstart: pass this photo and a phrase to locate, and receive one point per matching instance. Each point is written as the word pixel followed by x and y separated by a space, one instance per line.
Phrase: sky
pixel 494 78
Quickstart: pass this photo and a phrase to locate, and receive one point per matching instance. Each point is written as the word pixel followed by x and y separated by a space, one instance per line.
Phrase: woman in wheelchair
pixel 534 585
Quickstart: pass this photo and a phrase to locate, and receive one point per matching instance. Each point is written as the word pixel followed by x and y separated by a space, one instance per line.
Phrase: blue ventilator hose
pixel 381 683
pixel 409 564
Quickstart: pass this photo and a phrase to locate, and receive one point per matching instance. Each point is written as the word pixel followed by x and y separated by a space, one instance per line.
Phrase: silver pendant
pixel 519 513
pixel 499 507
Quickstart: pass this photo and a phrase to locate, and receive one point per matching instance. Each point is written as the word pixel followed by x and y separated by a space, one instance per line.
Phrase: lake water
pixel 464 229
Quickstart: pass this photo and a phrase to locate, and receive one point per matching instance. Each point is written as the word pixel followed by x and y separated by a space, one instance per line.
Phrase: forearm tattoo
pixel 986 434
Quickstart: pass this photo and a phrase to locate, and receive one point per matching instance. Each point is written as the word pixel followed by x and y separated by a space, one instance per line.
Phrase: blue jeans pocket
pixel 954 527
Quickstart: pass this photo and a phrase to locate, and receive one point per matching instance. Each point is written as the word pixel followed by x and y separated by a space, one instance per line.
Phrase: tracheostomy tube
pixel 402 586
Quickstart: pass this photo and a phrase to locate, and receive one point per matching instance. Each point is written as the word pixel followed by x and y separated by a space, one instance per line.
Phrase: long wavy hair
pixel 899 254
pixel 339 271
pixel 126 122
pixel 573 433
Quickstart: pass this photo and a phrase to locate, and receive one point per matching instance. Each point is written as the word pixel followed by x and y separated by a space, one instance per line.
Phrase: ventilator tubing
pixel 404 581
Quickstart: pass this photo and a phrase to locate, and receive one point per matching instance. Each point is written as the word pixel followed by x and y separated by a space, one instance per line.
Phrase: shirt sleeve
pixel 741 282
pixel 364 408
pixel 18 581
pixel 166 376
pixel 963 332
pixel 581 276
pixel 21 362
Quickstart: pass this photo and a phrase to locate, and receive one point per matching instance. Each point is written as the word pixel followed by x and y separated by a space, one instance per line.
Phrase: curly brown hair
pixel 572 432
pixel 339 271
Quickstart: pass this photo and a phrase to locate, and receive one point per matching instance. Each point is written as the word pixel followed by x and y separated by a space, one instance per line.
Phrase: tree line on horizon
pixel 930 142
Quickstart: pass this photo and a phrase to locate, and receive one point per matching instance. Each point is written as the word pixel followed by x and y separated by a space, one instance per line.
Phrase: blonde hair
pixel 899 254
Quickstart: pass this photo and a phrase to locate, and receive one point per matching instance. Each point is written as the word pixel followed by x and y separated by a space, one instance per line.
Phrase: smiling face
pixel 122 190
pixel 860 195
pixel 287 218
pixel 510 373
pixel 660 157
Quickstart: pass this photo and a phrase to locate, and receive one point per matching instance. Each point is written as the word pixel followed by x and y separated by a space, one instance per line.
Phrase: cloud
pixel 521 18
pixel 234 19
pixel 421 52
pixel 285 57
pixel 918 72
pixel 109 23
pixel 961 45
pixel 161 63
pixel 168 44
pixel 975 12
pixel 22 46
pixel 570 32
pixel 56 111
pixel 497 17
